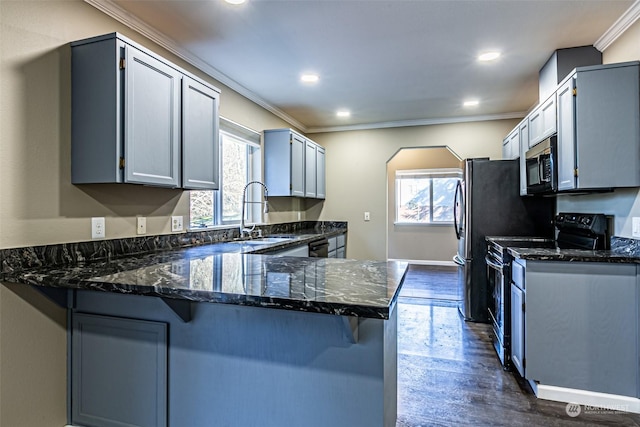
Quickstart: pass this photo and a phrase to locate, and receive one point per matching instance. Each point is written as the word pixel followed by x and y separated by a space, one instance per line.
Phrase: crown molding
pixel 627 19
pixel 122 16
pixel 419 122
pixel 132 22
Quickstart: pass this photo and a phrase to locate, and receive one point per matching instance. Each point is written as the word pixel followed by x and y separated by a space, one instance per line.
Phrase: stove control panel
pixel 591 223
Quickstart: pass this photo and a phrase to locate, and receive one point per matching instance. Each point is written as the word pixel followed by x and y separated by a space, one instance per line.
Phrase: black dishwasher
pixel 319 248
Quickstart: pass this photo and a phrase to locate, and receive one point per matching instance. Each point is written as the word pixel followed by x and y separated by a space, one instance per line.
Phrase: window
pixel 425 196
pixel 239 164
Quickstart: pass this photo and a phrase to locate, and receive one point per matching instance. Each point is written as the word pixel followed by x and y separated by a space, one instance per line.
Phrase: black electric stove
pixel 574 231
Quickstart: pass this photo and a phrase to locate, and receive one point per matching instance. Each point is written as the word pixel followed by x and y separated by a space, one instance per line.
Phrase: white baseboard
pixel 425 262
pixel 592 400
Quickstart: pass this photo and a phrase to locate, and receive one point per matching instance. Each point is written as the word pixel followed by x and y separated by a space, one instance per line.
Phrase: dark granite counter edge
pixel 356 309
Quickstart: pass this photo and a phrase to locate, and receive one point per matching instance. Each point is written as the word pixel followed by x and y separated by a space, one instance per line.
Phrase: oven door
pixel 497 308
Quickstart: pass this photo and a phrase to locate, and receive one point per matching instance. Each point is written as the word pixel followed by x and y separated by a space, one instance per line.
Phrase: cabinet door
pixel 523 147
pixel 566 136
pixel 514 144
pixel 118 372
pixel 517 328
pixel 152 120
pixel 321 191
pixel 542 121
pixel 200 136
pixel 549 118
pixel 298 147
pixel 310 158
pixel 505 148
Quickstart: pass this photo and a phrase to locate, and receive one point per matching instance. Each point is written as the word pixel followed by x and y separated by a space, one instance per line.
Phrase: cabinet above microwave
pixel 599 128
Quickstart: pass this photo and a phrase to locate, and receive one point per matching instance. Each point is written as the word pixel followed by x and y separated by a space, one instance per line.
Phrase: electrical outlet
pixel 176 223
pixel 635 226
pixel 97 228
pixel 367 216
pixel 141 225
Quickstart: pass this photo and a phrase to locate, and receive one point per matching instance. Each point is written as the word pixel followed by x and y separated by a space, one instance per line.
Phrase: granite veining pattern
pixel 212 267
pixel 17 259
pixel 623 250
pixel 209 274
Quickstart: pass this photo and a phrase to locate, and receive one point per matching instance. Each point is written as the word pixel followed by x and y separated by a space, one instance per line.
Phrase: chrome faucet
pixel 243 228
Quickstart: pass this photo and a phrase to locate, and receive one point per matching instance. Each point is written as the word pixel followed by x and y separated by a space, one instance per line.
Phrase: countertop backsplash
pixel 66 254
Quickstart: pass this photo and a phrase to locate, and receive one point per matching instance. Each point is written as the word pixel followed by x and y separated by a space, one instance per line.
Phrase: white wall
pixel 357 173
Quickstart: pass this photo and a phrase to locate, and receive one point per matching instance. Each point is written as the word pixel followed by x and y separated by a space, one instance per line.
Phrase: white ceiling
pixel 391 63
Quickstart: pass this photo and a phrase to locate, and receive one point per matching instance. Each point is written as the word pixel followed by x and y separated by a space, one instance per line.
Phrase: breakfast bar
pixel 212 335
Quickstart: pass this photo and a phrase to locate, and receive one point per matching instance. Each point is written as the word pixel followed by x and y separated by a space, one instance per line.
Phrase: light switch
pixel 367 216
pixel 635 226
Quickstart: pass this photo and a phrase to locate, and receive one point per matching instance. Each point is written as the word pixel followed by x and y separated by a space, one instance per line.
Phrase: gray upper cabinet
pixel 599 128
pixel 152 120
pixel 134 115
pixel 200 132
pixel 310 159
pixel 524 146
pixel 566 136
pixel 293 165
pixel 320 173
pixel 511 145
pixel 542 121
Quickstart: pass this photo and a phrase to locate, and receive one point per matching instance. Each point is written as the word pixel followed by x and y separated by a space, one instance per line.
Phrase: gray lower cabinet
pixel 133 115
pixel 581 326
pixel 517 317
pixel 293 165
pixel 598 127
pixel 338 246
pixel 118 372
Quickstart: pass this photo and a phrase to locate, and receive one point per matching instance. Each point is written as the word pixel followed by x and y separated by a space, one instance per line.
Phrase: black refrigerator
pixel 488 203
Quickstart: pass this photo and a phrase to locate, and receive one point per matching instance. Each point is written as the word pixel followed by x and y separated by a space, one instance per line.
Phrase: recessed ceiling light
pixel 235 1
pixel 343 113
pixel 471 103
pixel 309 78
pixel 488 56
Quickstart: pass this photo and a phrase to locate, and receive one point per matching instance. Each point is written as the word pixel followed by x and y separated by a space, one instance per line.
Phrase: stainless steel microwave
pixel 541 164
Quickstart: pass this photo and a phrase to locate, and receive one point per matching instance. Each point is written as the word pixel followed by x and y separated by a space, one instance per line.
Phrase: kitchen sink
pixel 265 240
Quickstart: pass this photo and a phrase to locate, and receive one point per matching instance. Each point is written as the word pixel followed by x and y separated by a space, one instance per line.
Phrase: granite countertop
pixel 623 250
pixel 236 273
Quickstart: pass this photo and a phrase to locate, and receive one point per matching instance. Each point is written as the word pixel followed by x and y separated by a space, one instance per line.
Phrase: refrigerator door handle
pixel 459 261
pixel 455 211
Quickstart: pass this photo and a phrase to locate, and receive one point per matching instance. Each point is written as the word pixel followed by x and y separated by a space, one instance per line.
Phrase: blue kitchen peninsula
pixel 213 336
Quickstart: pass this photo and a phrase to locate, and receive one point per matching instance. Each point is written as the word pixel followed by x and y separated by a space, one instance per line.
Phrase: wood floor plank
pixel 449 374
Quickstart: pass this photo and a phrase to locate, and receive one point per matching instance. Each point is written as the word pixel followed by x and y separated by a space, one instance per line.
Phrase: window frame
pixel 252 139
pixel 430 174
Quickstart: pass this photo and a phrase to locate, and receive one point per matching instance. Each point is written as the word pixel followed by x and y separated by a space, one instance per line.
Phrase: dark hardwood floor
pixel 449 374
